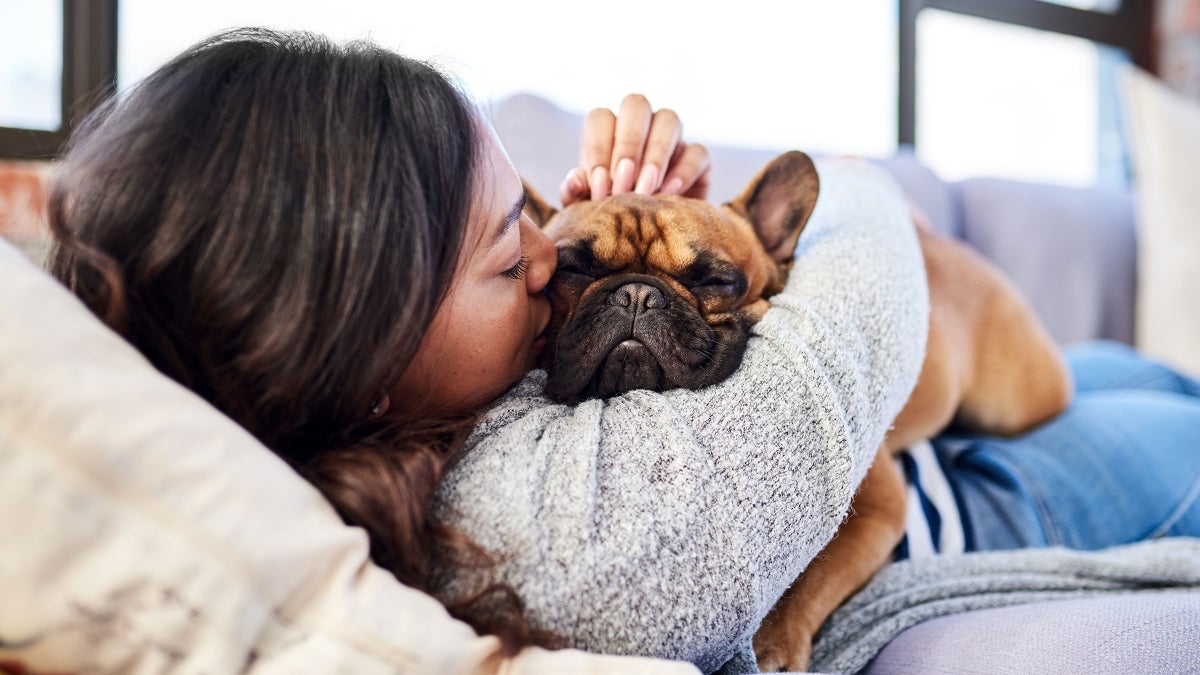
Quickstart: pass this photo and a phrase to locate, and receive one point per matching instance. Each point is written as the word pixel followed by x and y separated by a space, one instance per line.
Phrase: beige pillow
pixel 145 532
pixel 1165 131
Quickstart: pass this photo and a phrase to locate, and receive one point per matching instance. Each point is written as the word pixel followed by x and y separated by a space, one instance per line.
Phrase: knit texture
pixel 667 524
pixel 911 592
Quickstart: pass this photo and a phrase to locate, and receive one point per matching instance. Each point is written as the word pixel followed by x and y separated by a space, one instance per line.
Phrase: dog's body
pixel 659 293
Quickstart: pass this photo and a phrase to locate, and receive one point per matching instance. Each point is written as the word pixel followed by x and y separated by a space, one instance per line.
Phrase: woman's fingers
pixel 688 174
pixel 595 151
pixel 633 127
pixel 574 187
pixel 663 138
pixel 639 150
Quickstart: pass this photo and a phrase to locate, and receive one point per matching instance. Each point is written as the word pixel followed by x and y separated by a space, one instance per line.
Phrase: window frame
pixel 1129 28
pixel 89 76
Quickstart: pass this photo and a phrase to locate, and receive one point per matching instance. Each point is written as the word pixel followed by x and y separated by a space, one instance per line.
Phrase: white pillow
pixel 1165 132
pixel 146 532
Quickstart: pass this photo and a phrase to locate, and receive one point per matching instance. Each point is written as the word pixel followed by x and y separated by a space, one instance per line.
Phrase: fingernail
pixel 673 187
pixel 623 178
pixel 600 182
pixel 648 180
pixel 573 183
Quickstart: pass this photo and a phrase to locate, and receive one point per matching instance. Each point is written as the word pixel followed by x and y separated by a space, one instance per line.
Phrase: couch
pixel 100 449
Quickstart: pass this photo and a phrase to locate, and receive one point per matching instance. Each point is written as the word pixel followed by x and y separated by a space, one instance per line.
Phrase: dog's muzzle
pixel 635 332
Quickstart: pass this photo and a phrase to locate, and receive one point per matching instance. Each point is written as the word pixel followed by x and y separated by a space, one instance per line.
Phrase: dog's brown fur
pixel 989 366
pixel 989 363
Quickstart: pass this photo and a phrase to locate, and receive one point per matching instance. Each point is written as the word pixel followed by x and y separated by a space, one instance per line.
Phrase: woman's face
pixel 487 333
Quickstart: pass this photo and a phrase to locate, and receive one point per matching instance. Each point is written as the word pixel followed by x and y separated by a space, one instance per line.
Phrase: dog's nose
pixel 638 297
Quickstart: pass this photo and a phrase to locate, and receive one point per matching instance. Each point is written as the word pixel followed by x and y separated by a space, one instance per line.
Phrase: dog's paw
pixel 782 653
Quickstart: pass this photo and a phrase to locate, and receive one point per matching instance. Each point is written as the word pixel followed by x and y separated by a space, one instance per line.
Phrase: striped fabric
pixel 933 525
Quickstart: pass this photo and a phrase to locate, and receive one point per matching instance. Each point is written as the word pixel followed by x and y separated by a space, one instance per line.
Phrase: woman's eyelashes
pixel 517 272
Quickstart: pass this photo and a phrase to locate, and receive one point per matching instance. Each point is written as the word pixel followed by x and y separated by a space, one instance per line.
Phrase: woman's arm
pixel 667 524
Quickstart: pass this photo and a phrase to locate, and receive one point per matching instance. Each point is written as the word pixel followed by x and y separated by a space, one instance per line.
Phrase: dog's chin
pixel 633 364
pixel 630 365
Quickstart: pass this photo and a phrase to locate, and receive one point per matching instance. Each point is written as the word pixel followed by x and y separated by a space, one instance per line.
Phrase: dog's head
pixel 660 292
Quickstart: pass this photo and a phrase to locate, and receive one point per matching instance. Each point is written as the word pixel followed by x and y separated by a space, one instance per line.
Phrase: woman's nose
pixel 543 256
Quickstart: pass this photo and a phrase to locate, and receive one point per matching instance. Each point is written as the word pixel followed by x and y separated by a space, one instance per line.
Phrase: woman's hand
pixel 637 150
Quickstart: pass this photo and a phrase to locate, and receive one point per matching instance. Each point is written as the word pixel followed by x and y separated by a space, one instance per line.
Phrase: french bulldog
pixel 660 292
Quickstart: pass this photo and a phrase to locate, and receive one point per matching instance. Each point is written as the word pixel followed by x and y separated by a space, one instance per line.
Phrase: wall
pixel 22 205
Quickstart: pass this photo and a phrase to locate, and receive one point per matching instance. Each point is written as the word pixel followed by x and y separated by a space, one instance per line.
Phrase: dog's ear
pixel 779 201
pixel 537 207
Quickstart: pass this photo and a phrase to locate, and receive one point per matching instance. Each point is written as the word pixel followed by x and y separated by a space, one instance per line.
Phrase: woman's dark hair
pixel 273 221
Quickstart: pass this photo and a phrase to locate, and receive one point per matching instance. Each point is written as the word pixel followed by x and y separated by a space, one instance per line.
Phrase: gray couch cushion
pixel 542 140
pixel 1072 251
pixel 1143 632
pixel 938 199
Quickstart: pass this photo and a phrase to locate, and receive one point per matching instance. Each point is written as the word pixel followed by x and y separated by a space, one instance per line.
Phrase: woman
pixel 327 244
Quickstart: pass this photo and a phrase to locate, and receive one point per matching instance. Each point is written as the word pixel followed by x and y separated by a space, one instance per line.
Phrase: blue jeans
pixel 1122 464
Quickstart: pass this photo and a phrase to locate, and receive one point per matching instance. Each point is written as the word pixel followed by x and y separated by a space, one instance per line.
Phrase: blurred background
pixel 1020 89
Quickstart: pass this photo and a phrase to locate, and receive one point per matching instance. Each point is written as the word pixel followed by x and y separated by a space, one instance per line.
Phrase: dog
pixel 660 293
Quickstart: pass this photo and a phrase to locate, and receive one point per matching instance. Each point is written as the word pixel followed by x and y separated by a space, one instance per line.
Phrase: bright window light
pixel 992 99
pixel 1109 6
pixel 819 76
pixel 31 64
pixel 999 100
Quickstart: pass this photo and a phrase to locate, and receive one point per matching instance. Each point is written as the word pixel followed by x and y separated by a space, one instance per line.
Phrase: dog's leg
pixel 862 546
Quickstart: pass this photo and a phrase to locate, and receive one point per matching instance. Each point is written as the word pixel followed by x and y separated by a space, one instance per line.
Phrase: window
pixel 1108 6
pixel 1022 89
pixel 817 76
pixel 57 61
pixel 1009 101
pixel 31 49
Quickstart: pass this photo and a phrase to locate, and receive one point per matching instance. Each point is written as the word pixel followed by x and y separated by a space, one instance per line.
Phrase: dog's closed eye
pixel 577 260
pixel 710 275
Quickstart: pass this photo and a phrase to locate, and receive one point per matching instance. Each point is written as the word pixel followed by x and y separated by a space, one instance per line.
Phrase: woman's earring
pixel 380 407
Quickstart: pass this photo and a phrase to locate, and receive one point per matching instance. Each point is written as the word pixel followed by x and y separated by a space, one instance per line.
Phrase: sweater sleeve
pixel 668 524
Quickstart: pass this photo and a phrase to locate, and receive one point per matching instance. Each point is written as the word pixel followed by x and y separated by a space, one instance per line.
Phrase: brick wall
pixel 23 206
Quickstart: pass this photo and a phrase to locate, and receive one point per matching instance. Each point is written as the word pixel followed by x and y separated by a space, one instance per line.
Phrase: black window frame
pixel 89 75
pixel 1129 28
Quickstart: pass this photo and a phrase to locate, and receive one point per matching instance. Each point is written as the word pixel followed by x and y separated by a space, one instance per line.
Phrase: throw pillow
pixel 1164 129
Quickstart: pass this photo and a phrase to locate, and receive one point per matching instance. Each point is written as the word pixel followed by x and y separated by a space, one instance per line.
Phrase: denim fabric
pixel 1122 464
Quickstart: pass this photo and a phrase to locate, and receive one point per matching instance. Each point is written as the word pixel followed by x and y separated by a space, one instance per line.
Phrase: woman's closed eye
pixel 517 272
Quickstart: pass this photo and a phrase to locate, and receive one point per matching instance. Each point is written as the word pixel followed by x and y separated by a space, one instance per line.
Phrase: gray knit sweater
pixel 667 524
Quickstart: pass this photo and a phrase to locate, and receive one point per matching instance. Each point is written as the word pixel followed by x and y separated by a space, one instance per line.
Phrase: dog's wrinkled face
pixel 660 292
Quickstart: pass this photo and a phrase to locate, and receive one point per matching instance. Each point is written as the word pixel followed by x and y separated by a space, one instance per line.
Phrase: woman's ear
pixel 778 202
pixel 536 207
